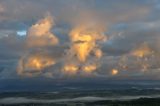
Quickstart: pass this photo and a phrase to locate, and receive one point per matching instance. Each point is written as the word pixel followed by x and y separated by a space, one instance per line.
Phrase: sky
pixel 56 39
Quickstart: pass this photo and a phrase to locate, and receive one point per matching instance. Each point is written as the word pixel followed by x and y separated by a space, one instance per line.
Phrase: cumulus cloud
pixel 39 36
pixel 84 43
pixel 84 38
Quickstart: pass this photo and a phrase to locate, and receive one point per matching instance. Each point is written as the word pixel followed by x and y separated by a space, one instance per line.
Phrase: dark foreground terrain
pixel 112 93
pixel 137 102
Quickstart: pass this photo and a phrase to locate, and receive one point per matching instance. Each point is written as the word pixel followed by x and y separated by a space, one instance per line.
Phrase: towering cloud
pixel 84 48
pixel 84 41
pixel 40 34
pixel 37 57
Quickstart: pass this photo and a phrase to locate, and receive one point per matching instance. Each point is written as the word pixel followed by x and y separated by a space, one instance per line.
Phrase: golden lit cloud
pixel 34 63
pixel 142 51
pixel 38 62
pixel 114 72
pixel 70 69
pixel 98 53
pixel 84 42
pixel 81 31
pixel 82 50
pixel 89 68
pixel 40 34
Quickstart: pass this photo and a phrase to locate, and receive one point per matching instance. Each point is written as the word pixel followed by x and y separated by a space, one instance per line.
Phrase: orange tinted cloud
pixel 142 50
pixel 40 34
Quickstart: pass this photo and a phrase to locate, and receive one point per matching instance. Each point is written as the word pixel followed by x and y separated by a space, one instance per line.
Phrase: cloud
pixel 73 40
pixel 84 46
pixel 40 34
pixel 37 58
pixel 34 63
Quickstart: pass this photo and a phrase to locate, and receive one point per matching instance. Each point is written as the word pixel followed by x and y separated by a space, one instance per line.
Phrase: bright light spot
pixel 89 68
pixel 98 53
pixel 114 72
pixel 70 69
